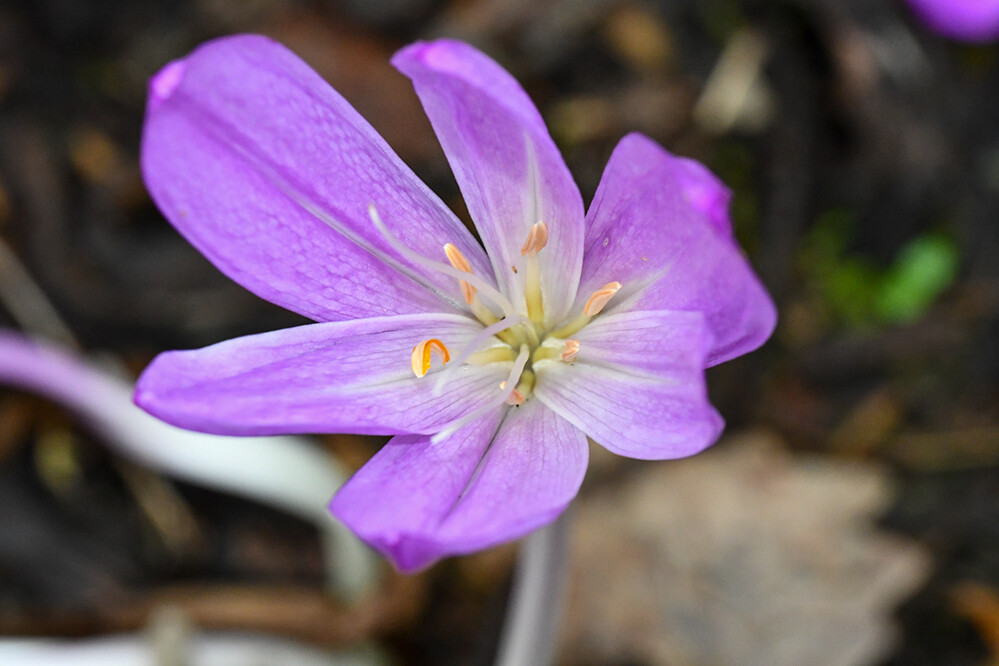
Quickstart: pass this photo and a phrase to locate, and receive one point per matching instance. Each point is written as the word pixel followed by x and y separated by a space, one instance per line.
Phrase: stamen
pixel 423 353
pixel 554 349
pixel 481 312
pixel 490 292
pixel 569 350
pixel 537 238
pixel 594 305
pixel 497 354
pixel 456 258
pixel 459 261
pixel 572 327
pixel 549 350
pixel 599 298
pixel 518 367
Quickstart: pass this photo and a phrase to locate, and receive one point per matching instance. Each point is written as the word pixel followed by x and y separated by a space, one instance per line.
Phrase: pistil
pixel 523 389
pixel 519 340
pixel 500 399
pixel 499 329
pixel 515 398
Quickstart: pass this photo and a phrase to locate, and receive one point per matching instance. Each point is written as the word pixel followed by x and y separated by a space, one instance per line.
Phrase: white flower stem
pixel 288 473
pixel 530 635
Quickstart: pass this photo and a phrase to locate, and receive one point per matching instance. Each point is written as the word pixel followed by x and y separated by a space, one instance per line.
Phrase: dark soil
pixel 870 135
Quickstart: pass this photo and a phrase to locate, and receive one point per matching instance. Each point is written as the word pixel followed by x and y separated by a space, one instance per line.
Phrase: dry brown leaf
pixel 744 555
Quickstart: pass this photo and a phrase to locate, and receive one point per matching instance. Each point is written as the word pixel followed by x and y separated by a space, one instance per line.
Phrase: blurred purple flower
pixel 563 327
pixel 964 20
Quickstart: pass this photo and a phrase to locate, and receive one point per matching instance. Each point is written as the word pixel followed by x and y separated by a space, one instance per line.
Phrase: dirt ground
pixel 863 152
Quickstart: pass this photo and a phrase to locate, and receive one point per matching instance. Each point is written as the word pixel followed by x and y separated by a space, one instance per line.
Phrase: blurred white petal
pixel 287 473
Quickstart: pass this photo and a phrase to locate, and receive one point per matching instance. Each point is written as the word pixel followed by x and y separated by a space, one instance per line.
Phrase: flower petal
pixel 269 172
pixel 417 502
pixel 659 226
pixel 965 20
pixel 353 376
pixel 506 164
pixel 637 386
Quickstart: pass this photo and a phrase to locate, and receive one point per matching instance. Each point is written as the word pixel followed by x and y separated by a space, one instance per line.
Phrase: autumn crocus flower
pixel 490 366
pixel 964 20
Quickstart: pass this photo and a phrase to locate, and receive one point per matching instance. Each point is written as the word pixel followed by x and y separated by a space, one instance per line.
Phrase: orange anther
pixel 423 352
pixel 537 238
pixel 458 260
pixel 599 298
pixel 569 350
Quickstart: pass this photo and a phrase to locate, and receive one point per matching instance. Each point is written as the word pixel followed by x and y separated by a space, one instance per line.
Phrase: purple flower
pixel 563 327
pixel 964 20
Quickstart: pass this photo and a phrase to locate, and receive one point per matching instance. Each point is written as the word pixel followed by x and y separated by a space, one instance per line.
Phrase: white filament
pixel 484 288
pixel 445 375
pixel 511 383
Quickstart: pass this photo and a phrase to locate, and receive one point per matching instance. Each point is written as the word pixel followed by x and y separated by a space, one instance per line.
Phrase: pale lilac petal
pixel 350 376
pixel 269 173
pixel 417 502
pixel 397 501
pixel 654 227
pixel 530 473
pixel 509 170
pixel 637 384
pixel 965 20
pixel 705 193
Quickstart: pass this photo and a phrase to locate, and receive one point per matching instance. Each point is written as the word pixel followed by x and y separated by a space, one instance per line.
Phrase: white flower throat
pixel 520 337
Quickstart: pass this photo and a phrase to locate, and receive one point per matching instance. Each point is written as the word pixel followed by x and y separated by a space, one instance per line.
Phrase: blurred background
pixel 848 516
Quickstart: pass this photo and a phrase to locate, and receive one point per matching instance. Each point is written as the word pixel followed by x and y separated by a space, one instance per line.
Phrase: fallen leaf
pixel 744 555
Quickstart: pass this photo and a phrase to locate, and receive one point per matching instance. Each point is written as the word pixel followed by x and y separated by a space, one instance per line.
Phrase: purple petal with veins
pixel 487 483
pixel 656 229
pixel 269 172
pixel 509 170
pixel 333 377
pixel 491 366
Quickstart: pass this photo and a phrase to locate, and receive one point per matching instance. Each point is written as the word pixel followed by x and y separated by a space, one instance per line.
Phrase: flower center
pixel 513 336
pixel 522 341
